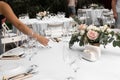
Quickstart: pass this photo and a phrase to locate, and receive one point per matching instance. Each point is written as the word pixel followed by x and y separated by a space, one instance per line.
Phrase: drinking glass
pixel 64 33
pixel 48 32
pixel 71 59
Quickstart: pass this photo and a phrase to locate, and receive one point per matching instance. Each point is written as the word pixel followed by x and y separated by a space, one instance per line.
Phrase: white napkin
pixel 91 53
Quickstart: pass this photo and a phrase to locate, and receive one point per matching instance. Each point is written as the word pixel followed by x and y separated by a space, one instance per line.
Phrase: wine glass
pixel 48 32
pixel 31 45
pixel 23 44
pixel 64 33
pixel 72 60
pixel 33 48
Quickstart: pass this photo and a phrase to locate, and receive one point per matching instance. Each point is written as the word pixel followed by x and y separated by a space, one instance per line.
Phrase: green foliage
pixel 76 19
pixel 104 35
pixel 33 6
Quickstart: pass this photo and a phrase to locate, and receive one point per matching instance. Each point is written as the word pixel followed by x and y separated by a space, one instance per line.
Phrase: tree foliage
pixel 34 6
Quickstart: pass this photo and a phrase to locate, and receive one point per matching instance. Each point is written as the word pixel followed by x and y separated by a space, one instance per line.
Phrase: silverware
pixel 22 55
pixel 12 57
pixel 22 76
pixel 55 39
pixel 9 58
pixel 70 78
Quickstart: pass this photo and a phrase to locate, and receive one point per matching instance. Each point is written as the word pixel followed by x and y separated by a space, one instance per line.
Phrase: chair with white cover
pixel 9 37
pixel 54 29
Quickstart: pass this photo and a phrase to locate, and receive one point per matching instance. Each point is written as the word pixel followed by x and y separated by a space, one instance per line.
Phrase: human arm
pixel 113 4
pixel 6 10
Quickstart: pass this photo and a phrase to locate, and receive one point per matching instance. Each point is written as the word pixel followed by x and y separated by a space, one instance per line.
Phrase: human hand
pixel 44 41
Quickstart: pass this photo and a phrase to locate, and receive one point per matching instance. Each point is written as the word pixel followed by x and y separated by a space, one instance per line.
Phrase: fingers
pixel 44 41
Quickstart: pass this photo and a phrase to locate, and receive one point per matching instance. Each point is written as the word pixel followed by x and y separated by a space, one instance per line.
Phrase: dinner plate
pixel 16 51
pixel 11 68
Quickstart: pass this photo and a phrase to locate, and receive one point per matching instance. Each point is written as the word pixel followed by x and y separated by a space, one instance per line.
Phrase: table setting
pixel 61 60
pixel 96 16
pixel 57 62
pixel 40 25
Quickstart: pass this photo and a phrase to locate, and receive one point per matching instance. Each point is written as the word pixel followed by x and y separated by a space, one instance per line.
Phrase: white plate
pixel 11 68
pixel 15 51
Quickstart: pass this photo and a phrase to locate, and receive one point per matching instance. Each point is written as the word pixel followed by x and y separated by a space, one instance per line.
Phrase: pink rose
pixel 92 35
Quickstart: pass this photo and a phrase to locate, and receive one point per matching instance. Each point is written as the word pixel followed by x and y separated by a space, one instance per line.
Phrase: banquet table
pixel 39 25
pixel 92 16
pixel 52 64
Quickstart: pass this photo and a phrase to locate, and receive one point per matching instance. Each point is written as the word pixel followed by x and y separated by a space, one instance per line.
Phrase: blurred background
pixel 34 6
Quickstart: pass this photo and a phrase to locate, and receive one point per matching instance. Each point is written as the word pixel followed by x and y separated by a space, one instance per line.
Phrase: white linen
pixel 92 15
pixel 51 63
pixel 40 25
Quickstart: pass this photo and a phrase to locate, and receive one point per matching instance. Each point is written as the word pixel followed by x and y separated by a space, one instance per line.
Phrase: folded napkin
pixel 91 53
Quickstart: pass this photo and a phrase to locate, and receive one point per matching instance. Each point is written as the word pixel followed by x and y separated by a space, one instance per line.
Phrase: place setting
pixel 18 72
pixel 14 54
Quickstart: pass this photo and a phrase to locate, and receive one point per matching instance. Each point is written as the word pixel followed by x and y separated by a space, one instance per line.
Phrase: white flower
pixel 82 32
pixel 97 29
pixel 79 37
pixel 103 28
pixel 92 27
pixel 109 35
pixel 109 30
pixel 42 13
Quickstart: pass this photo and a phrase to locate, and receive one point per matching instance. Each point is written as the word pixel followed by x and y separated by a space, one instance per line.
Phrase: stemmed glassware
pixel 72 60
pixel 33 46
pixel 30 45
pixel 23 44
pixel 48 32
pixel 110 21
pixel 65 33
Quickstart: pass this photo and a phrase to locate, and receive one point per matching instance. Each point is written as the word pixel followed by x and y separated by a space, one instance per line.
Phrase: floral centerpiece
pixel 42 14
pixel 92 34
pixel 96 6
pixel 91 37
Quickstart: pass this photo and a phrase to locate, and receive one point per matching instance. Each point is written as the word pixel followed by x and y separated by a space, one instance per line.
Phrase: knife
pixel 16 76
pixel 10 58
pixel 23 77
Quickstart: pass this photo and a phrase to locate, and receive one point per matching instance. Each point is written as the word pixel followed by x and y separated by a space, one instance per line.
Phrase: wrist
pixel 34 35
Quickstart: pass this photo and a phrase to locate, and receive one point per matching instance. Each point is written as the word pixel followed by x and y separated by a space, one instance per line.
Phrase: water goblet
pixel 72 60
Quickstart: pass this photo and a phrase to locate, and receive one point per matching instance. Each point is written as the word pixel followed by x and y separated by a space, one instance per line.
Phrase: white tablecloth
pixel 40 25
pixel 51 64
pixel 92 15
